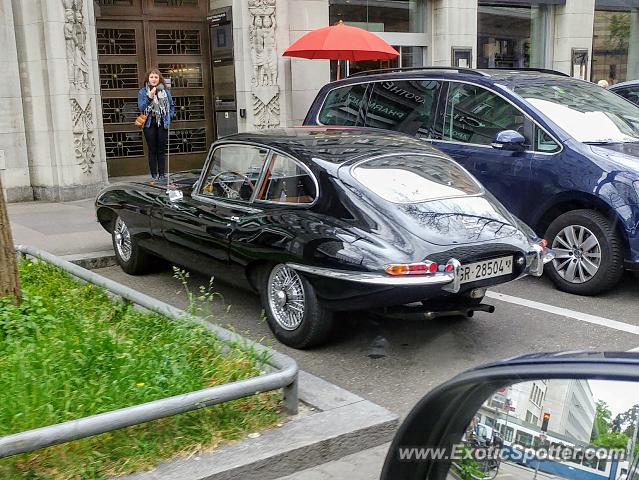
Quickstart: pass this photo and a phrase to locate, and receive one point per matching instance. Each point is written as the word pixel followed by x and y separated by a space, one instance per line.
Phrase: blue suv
pixel 561 154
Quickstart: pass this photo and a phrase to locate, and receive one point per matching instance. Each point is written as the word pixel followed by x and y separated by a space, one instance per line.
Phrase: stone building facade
pixel 72 68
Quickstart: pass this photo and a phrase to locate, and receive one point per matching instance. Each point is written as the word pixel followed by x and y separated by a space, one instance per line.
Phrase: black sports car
pixel 319 220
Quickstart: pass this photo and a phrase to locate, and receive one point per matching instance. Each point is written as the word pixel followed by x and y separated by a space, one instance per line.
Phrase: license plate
pixel 496 267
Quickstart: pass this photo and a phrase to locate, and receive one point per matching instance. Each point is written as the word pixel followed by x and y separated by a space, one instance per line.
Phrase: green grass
pixel 69 351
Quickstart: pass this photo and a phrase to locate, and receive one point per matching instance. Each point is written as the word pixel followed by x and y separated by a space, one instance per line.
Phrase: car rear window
pixel 415 178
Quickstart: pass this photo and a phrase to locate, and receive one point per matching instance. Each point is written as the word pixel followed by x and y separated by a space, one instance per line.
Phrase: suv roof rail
pixel 532 69
pixel 408 69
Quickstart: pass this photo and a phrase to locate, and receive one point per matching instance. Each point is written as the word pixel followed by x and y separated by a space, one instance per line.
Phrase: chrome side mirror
pixel 509 140
pixel 573 416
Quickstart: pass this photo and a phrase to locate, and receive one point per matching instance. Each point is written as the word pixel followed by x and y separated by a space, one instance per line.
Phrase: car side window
pixel 475 115
pixel 544 142
pixel 342 106
pixel 234 172
pixel 631 94
pixel 286 181
pixel 403 106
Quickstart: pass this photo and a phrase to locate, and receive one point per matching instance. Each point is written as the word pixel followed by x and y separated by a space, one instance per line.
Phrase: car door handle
pixel 235 218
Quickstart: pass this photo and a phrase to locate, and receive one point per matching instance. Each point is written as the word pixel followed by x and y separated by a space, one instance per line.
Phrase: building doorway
pixel 133 36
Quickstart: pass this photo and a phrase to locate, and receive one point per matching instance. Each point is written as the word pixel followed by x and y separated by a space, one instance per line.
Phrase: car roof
pixel 333 144
pixel 487 76
pixel 630 83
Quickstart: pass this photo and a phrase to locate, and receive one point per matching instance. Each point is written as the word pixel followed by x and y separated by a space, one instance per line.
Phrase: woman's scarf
pixel 159 104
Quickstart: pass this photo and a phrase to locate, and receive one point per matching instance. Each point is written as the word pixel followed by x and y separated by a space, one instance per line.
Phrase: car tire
pixel 588 250
pixel 293 312
pixel 131 258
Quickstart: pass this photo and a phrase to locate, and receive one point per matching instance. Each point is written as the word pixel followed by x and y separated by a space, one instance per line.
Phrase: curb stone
pixel 343 424
pixel 92 261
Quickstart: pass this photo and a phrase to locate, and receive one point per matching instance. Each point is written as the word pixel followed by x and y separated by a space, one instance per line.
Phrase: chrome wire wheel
pixel 577 254
pixel 122 240
pixel 285 293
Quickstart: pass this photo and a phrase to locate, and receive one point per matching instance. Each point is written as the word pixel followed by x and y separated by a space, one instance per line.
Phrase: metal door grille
pixel 178 42
pixel 176 3
pixel 118 76
pixel 115 3
pixel 134 35
pixel 116 41
pixel 190 108
pixel 184 75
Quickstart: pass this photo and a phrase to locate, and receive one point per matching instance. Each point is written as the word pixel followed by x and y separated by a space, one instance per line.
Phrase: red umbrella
pixel 341 42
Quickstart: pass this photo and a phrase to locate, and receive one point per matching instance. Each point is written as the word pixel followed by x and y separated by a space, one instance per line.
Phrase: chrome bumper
pixel 536 259
pixel 372 278
pixel 449 281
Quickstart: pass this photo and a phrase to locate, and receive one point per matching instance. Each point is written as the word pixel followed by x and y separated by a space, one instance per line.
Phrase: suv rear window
pixel 414 178
pixel 342 106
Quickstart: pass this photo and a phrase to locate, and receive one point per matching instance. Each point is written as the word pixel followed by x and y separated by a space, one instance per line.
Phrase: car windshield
pixel 415 178
pixel 587 112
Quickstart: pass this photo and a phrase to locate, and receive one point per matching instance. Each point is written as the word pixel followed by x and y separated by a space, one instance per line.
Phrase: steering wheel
pixel 230 193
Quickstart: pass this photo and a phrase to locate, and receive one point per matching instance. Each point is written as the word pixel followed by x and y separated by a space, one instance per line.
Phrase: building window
pixel 512 36
pixel 614 54
pixel 409 57
pixel 523 438
pixel 508 434
pixel 380 15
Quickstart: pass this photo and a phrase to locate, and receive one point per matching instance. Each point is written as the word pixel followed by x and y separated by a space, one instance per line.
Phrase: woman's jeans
pixel 156 139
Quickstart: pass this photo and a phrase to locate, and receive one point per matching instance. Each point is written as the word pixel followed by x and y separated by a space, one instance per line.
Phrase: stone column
pixel 263 76
pixel 307 76
pixel 574 23
pixel 60 97
pixel 633 46
pixel 14 165
pixel 454 25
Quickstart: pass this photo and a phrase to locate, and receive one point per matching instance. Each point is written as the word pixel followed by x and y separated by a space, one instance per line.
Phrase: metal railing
pixel 284 377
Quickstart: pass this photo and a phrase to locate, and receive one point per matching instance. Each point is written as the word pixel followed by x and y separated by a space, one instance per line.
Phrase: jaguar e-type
pixel 322 220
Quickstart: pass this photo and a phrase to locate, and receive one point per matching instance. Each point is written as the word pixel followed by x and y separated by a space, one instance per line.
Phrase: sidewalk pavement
pixel 71 228
pixel 364 465
pixel 64 228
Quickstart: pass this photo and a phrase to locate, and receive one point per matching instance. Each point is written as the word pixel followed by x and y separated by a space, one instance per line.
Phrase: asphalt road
pixel 395 362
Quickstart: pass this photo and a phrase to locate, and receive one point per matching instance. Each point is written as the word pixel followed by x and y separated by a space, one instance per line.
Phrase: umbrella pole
pixel 339 65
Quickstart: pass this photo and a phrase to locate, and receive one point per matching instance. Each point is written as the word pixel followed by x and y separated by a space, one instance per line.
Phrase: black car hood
pixel 457 221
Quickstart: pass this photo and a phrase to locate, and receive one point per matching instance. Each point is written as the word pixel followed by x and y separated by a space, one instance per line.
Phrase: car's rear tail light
pixel 421 268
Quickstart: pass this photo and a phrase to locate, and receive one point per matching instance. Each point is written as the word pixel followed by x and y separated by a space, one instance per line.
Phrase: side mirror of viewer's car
pixel 562 415
pixel 509 140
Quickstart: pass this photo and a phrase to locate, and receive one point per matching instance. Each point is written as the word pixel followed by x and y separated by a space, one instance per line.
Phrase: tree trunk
pixel 9 280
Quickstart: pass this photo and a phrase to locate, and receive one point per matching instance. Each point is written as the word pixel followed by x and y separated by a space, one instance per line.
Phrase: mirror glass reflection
pixel 545 429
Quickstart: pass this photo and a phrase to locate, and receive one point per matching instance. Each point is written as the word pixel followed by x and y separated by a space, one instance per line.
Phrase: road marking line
pixel 564 312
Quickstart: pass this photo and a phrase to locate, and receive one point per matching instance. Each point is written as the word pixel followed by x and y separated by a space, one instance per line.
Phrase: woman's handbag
pixel 141 120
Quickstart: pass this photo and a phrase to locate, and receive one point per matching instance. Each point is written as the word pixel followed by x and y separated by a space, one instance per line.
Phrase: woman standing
pixel 157 103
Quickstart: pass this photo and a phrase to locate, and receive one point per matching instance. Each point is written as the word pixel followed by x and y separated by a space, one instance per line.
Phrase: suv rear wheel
pixel 588 253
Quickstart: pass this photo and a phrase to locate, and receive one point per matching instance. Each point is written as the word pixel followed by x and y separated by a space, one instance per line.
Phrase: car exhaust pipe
pixel 424 311
pixel 468 312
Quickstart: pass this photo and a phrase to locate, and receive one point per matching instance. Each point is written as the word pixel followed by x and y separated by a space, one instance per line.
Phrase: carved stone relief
pixel 266 92
pixel 84 144
pixel 75 36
